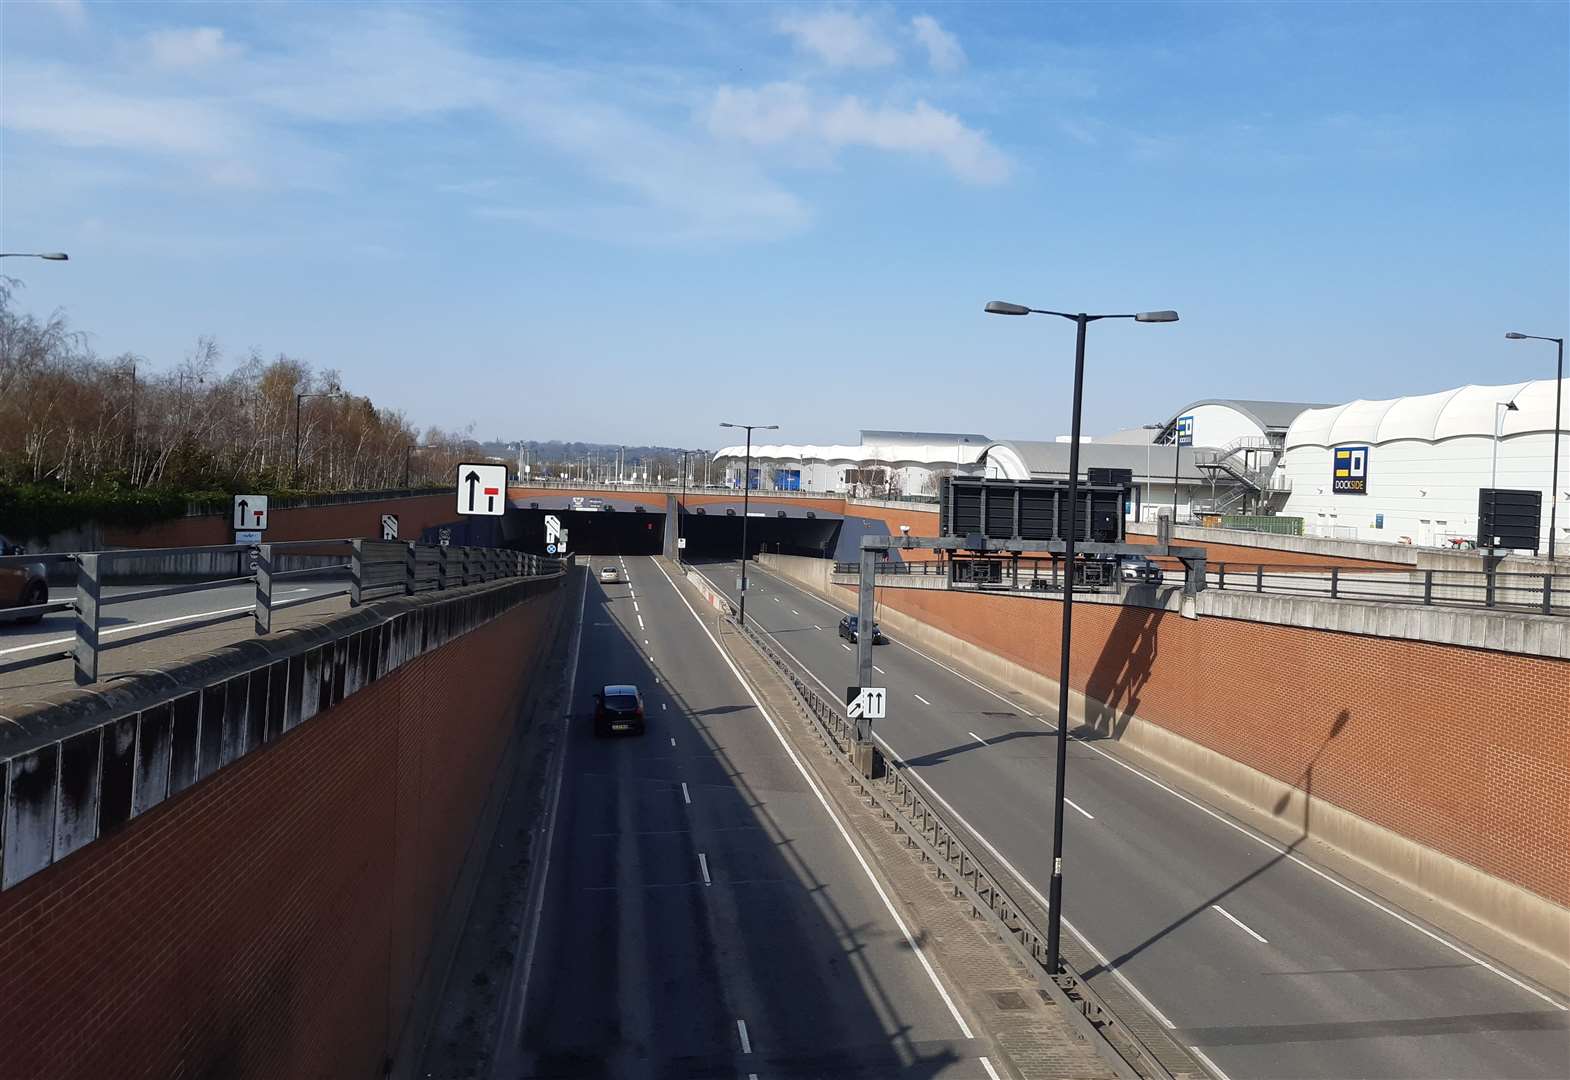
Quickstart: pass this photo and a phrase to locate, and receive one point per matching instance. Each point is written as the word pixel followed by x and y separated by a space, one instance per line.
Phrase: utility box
pixel 1509 519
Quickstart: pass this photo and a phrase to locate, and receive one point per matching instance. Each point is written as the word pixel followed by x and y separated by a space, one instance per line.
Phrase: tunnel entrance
pixel 591 532
pixel 712 535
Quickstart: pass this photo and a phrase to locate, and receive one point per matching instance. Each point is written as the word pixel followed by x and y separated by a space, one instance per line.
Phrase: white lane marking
pixel 1211 1065
pixel 746 1043
pixel 646 641
pixel 993 1073
pixel 513 1022
pixel 776 599
pixel 1241 924
pixel 686 797
pixel 888 905
pixel 978 738
pixel 1256 837
pixel 845 646
pixel 703 864
pixel 879 670
pixel 793 611
pixel 663 707
pixel 924 701
pixel 128 629
pixel 673 740
pixel 635 605
pixel 1080 808
pixel 640 625
pixel 651 659
pixel 816 627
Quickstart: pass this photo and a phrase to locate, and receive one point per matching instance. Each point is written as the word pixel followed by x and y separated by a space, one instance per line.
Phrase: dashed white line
pixel 646 641
pixel 1250 931
pixel 703 864
pixel 746 1043
pixel 879 670
pixel 978 738
pixel 663 707
pixel 1080 808
pixel 635 605
pixel 673 740
pixel 686 796
pixel 793 611
pixel 924 701
pixel 817 627
pixel 640 624
pixel 845 646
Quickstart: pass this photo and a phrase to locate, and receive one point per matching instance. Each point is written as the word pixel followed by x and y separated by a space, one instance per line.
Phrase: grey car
pixel 22 584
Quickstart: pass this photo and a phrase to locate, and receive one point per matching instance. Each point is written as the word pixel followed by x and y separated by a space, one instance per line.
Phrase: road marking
pixel 646 641
pixel 1251 834
pixel 978 738
pixel 816 627
pixel 1241 924
pixel 845 646
pixel 746 1043
pixel 879 670
pixel 993 1073
pixel 686 797
pixel 651 659
pixel 640 625
pixel 635 605
pixel 888 905
pixel 703 864
pixel 793 611
pixel 776 599
pixel 132 626
pixel 663 707
pixel 511 1027
pixel 673 740
pixel 1211 1065
pixel 924 701
pixel 1080 808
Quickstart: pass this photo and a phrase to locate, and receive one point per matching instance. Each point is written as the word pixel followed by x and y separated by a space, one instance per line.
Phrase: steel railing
pixel 927 828
pixel 372 569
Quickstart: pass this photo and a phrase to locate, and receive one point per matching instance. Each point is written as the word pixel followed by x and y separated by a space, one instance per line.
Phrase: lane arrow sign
pixel 472 480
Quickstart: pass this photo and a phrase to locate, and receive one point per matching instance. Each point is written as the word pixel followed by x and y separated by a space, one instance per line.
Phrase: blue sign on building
pixel 1349 470
pixel 1185 431
pixel 787 479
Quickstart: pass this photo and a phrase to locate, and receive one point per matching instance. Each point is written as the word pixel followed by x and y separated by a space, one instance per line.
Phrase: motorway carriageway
pixel 704 912
pixel 1265 964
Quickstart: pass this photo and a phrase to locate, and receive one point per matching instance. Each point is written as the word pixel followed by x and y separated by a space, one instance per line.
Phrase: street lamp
pixel 998 307
pixel 52 256
pixel 746 490
pixel 295 475
pixel 1500 408
pixel 1559 393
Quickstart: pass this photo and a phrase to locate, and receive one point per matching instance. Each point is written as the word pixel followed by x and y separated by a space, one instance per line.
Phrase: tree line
pixel 77 421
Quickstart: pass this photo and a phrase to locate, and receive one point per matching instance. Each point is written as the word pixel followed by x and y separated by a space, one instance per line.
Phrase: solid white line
pixel 1256 837
pixel 978 738
pixel 131 627
pixel 1244 926
pixel 1211 1065
pixel 685 796
pixel 993 1073
pixel 924 701
pixel 515 1027
pixel 1080 808
pixel 746 1043
pixel 845 646
pixel 823 801
pixel 703 864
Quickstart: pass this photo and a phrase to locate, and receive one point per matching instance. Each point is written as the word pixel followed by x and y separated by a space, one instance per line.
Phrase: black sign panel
pixel 1030 510
pixel 1509 519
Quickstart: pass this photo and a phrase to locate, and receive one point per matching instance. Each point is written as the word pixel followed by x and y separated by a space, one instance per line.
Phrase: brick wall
pixel 362 519
pixel 1243 555
pixel 273 919
pixel 1464 750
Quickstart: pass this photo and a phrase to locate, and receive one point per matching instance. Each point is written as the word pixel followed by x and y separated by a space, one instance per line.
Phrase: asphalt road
pixel 1264 962
pixel 704 914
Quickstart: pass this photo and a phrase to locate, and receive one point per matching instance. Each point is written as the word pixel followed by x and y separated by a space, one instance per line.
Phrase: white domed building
pixel 1409 469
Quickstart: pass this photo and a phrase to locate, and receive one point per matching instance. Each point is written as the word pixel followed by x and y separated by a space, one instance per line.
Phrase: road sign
pixel 444 536
pixel 553 531
pixel 482 489
pixel 250 512
pixel 865 702
pixel 247 536
pixel 681 542
pixel 389 526
pixel 550 549
pixel 577 502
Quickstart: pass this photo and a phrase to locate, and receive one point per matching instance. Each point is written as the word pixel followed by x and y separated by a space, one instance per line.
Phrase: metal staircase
pixel 1248 466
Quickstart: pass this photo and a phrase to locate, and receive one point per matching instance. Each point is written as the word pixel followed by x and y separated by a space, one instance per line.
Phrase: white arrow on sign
pixel 867 702
pixel 552 529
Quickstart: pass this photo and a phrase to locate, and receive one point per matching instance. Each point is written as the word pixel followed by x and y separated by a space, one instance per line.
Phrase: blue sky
pixel 628 222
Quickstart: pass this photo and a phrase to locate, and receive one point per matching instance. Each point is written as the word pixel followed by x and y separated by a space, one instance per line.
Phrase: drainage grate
pixel 1008 1000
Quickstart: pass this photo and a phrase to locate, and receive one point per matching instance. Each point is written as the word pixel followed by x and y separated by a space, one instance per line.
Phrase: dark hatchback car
pixel 618 710
pixel 848 630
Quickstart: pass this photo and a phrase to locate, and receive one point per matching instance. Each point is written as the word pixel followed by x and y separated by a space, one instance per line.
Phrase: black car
pixel 618 709
pixel 848 631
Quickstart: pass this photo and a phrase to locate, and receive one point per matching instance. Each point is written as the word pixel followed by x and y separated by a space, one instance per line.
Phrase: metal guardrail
pixel 375 569
pixel 926 828
pixel 1536 593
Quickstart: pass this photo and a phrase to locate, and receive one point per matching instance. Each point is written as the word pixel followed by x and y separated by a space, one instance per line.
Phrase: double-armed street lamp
pixel 1081 320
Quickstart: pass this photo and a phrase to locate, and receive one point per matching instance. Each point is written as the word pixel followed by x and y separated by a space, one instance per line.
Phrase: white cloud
pixel 786 112
pixel 194 48
pixel 943 48
pixel 839 38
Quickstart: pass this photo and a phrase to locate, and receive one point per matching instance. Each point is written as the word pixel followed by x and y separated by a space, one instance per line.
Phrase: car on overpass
pixel 618 709
pixel 1137 569
pixel 849 630
pixel 22 584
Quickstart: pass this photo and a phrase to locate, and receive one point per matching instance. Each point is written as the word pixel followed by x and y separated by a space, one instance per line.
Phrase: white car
pixel 607 573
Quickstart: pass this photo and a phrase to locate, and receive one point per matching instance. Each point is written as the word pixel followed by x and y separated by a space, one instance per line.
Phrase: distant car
pixel 1140 570
pixel 607 573
pixel 22 584
pixel 848 631
pixel 618 709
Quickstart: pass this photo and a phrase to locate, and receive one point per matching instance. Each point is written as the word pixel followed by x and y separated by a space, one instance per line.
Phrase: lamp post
pixel 746 490
pixel 1559 394
pixel 1500 408
pixel 1150 488
pixel 295 474
pixel 999 307
pixel 681 505
pixel 51 256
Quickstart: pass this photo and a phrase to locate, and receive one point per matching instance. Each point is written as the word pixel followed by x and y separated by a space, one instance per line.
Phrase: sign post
pixel 250 513
pixel 1182 436
pixel 866 702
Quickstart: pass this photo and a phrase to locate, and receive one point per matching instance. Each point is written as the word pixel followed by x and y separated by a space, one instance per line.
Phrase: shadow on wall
pixel 1121 672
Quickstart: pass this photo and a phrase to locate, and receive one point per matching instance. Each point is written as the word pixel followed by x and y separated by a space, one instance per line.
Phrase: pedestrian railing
pixel 926 828
pixel 369 570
